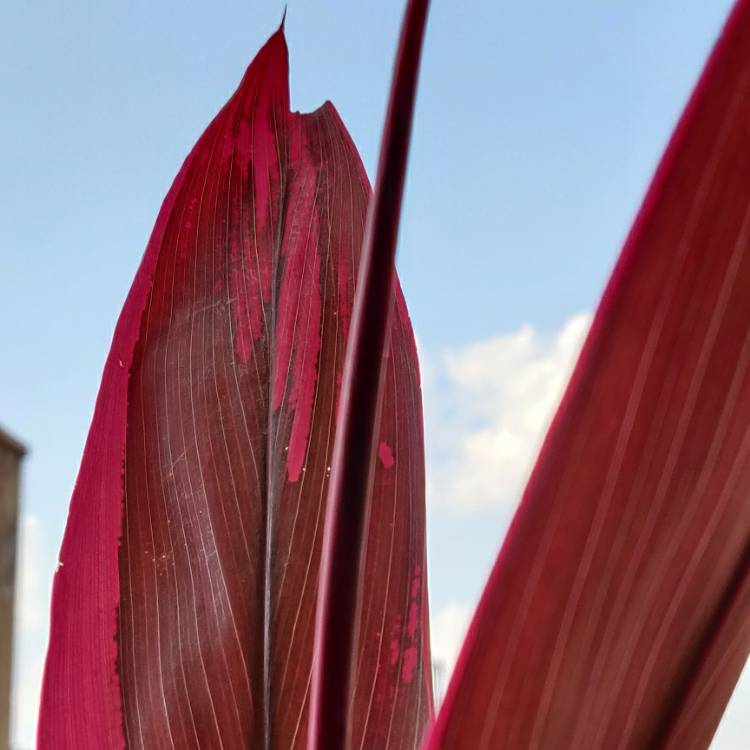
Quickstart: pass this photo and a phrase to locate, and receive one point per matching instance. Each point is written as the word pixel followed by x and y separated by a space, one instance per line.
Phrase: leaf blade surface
pixel 216 418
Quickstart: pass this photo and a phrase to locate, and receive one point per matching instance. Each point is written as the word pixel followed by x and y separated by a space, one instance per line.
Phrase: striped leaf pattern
pixel 183 609
pixel 617 614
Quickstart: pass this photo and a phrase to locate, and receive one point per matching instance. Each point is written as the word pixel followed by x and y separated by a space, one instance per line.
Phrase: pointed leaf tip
pixel 197 629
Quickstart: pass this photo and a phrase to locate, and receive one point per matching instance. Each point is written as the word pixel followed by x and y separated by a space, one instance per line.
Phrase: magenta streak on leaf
pixel 385 455
pixel 342 580
pixel 616 615
pixel 304 377
pixel 200 502
pixel 299 329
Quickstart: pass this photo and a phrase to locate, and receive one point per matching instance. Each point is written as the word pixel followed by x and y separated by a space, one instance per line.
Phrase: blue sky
pixel 538 126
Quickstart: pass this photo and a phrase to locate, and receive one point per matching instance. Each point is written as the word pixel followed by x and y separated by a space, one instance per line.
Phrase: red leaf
pixel 219 400
pixel 617 613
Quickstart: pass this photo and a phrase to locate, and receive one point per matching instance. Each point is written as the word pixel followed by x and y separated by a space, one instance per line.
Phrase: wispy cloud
pixel 447 631
pixel 36 561
pixel 493 401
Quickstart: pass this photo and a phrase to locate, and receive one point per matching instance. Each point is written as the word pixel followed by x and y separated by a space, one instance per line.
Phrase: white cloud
pixel 447 632
pixel 35 568
pixel 496 398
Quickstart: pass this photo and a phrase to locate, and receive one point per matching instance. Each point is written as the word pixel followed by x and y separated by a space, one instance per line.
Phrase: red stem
pixel 354 450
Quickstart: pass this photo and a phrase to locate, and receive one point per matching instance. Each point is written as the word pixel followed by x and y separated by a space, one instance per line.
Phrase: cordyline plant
pixel 244 560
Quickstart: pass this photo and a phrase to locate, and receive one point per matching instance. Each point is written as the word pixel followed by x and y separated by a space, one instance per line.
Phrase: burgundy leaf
pixel 617 613
pixel 356 450
pixel 183 608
